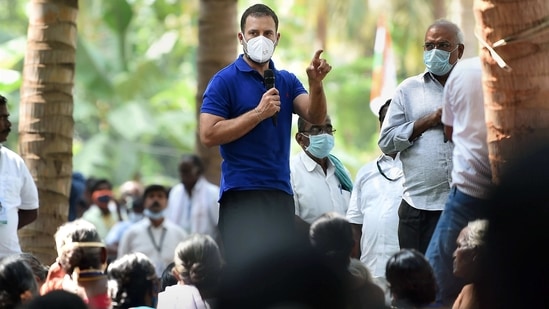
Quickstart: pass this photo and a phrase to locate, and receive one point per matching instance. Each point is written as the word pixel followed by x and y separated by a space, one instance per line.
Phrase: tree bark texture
pixel 46 121
pixel 516 102
pixel 217 47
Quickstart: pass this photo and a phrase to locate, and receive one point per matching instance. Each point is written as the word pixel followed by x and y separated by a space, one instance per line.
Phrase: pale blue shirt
pixel 427 160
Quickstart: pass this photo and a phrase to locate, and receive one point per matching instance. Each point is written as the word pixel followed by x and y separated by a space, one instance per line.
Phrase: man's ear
pixel 298 138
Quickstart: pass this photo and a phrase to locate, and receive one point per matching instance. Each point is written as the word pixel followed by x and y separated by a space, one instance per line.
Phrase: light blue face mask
pixel 320 145
pixel 437 61
pixel 154 215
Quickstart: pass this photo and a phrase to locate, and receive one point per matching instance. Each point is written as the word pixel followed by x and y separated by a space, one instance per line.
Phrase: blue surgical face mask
pixel 154 215
pixel 437 61
pixel 320 145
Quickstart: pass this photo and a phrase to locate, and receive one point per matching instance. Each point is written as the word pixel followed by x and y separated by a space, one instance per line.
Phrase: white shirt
pixel 316 193
pixel 463 110
pixel 374 204
pixel 196 214
pixel 17 191
pixel 145 238
pixel 181 297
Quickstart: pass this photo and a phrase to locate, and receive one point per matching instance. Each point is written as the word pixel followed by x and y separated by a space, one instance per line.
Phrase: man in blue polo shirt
pixel 252 125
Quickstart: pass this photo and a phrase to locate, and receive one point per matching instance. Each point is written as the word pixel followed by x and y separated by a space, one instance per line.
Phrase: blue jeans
pixel 460 208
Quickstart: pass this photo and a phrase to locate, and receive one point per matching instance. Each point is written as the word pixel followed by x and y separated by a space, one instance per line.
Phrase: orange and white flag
pixel 384 79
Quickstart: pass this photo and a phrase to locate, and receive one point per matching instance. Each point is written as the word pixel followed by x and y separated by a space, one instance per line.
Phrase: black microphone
pixel 269 79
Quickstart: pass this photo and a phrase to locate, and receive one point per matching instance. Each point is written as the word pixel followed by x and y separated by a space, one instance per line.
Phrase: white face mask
pixel 260 49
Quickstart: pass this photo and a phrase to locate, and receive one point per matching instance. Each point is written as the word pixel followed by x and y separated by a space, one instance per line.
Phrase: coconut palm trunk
pixel 46 122
pixel 517 110
pixel 217 47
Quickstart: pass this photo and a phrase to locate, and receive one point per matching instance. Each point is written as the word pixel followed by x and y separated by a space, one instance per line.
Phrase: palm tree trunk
pixel 517 110
pixel 46 122
pixel 217 42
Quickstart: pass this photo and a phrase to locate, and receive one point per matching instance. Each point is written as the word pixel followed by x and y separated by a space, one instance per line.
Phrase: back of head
pixel 514 273
pixel 411 278
pixel 331 236
pixel 79 245
pixel 167 278
pixel 58 299
pixel 39 270
pixel 198 261
pixel 17 282
pixel 132 279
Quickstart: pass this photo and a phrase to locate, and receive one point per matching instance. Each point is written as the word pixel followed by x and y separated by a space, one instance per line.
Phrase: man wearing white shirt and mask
pixel 319 180
pixel 153 236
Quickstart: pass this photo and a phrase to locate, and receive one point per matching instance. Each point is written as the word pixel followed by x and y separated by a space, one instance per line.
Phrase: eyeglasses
pixel 441 45
pixel 315 130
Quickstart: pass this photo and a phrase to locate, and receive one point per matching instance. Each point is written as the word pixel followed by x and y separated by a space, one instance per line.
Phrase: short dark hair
pixel 195 160
pixel 411 277
pixel 154 188
pixel 302 123
pixel 167 278
pixel 3 100
pixel 331 235
pixel 258 10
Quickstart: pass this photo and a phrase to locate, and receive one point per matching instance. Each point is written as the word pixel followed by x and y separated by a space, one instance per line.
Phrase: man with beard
pixel 18 193
pixel 248 113
pixel 156 237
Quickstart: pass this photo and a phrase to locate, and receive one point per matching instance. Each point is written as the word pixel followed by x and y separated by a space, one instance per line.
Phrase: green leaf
pixel 118 15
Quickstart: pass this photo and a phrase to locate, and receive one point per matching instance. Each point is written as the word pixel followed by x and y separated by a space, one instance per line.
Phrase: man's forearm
pixel 317 106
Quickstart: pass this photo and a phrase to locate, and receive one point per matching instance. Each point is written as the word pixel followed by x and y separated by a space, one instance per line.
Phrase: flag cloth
pixel 384 79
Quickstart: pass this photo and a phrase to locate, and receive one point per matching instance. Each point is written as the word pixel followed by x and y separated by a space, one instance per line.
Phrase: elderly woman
pixel 80 264
pixel 470 246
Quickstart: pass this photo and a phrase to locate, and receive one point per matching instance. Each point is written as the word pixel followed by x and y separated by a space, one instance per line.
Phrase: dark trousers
pixel 255 224
pixel 415 227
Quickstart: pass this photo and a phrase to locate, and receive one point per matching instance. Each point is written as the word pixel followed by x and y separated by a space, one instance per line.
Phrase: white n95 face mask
pixel 260 49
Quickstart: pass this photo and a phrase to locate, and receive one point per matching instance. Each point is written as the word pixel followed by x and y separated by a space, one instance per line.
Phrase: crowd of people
pixel 422 226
